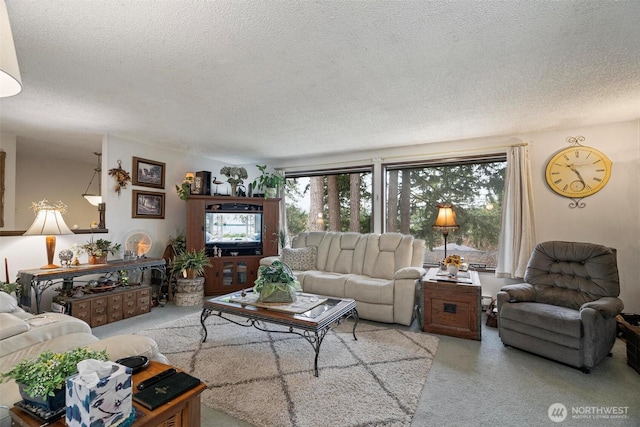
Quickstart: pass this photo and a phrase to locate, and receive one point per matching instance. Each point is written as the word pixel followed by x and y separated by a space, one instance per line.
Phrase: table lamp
pixel 48 223
pixel 445 221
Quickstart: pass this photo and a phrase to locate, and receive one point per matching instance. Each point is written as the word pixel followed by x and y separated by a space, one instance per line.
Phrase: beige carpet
pixel 267 378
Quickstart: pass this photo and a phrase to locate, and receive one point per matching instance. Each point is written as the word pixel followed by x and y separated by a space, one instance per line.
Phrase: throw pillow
pixel 300 258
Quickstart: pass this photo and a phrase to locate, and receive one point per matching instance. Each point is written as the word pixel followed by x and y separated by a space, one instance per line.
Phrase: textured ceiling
pixel 266 81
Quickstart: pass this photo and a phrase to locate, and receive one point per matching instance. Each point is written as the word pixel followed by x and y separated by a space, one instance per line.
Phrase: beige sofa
pixel 25 336
pixel 379 271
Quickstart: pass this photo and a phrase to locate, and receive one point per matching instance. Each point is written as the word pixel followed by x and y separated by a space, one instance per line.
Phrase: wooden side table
pixel 182 411
pixel 452 307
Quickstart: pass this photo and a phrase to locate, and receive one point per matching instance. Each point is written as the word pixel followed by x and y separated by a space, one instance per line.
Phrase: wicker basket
pixel 268 294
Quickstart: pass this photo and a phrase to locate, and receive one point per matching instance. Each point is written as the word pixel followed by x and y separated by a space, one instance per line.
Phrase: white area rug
pixel 267 379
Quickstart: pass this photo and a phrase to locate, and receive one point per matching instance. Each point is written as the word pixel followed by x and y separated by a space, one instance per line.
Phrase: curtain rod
pixel 375 159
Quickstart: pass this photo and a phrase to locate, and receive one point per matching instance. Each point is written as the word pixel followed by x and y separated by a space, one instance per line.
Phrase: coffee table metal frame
pixel 312 329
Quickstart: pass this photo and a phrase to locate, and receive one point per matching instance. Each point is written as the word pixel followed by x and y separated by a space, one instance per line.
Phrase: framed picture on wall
pixel 147 204
pixel 148 173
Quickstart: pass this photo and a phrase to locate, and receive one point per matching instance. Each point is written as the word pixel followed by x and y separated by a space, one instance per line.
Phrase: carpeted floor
pixel 267 379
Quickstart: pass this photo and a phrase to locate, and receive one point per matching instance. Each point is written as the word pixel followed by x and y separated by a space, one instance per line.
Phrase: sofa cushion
pixel 553 318
pixel 8 303
pixel 11 325
pixel 325 283
pixel 44 327
pixel 368 289
pixel 300 258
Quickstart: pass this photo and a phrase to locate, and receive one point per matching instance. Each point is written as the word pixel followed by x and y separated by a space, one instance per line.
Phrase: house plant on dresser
pixel 189 266
pixel 99 249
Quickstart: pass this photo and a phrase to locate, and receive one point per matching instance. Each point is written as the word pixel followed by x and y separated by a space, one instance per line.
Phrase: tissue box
pixel 105 402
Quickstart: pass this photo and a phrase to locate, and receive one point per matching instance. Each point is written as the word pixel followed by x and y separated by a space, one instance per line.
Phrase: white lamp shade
pixel 94 200
pixel 48 222
pixel 10 80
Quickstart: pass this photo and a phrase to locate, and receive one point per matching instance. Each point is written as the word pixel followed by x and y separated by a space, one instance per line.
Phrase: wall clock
pixel 578 171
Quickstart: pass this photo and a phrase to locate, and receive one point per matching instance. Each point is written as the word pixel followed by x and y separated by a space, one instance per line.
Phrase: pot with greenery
pixel 276 283
pixel 267 182
pixel 99 249
pixel 190 266
pixel 42 380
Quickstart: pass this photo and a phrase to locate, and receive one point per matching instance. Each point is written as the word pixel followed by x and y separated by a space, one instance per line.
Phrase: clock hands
pixel 576 185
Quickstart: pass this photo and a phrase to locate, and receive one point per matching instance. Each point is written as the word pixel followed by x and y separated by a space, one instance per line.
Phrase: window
pixel 329 201
pixel 474 186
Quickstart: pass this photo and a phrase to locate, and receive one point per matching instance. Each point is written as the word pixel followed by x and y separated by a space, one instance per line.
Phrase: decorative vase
pixel 234 190
pixel 452 269
pixel 48 403
pixel 93 259
pixel 271 192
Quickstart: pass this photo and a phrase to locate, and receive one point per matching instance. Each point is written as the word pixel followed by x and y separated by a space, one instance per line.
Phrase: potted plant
pixel 267 181
pixel 191 263
pixel 276 283
pixel 99 249
pixel 41 380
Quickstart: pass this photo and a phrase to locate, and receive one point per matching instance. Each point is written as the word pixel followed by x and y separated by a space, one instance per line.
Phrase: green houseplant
pixel 99 249
pixel 191 263
pixel 45 376
pixel 276 283
pixel 267 181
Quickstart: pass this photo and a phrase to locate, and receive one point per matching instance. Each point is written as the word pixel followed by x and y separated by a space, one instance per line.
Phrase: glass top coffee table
pixel 312 324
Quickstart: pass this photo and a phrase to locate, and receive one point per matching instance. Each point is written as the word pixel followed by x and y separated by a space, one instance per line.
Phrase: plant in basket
pixel 99 249
pixel 45 376
pixel 276 283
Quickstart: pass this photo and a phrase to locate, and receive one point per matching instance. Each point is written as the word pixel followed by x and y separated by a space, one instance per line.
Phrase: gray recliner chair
pixel 566 310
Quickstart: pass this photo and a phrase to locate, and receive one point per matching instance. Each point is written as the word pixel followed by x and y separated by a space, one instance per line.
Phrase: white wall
pixel 610 217
pixel 8 145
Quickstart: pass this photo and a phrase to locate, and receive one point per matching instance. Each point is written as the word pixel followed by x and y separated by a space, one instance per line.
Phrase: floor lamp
pixel 48 223
pixel 445 221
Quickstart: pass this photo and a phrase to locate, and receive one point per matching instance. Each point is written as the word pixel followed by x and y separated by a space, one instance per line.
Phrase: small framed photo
pixel 147 204
pixel 148 173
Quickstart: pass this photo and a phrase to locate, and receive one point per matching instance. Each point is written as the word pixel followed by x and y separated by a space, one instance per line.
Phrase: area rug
pixel 267 379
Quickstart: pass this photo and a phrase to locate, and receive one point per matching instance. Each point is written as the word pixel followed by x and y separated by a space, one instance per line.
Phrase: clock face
pixel 578 171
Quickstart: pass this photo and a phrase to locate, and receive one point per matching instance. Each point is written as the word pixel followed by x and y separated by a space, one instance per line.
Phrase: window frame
pixel 434 162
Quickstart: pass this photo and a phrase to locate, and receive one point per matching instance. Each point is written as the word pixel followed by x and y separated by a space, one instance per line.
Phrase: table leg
pixel 206 312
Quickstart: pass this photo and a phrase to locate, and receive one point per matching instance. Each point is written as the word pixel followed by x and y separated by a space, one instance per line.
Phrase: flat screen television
pixel 235 233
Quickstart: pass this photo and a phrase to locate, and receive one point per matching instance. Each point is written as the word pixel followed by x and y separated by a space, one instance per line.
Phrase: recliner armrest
pixel 608 307
pixel 410 273
pixel 520 292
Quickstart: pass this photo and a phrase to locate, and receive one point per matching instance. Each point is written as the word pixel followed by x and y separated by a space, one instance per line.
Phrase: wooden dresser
pixel 452 307
pixel 111 306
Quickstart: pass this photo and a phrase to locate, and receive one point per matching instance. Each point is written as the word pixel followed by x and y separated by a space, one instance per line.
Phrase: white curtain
pixel 517 235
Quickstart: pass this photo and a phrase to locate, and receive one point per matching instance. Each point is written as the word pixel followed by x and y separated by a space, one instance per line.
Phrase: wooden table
pixel 452 306
pixel 311 325
pixel 182 411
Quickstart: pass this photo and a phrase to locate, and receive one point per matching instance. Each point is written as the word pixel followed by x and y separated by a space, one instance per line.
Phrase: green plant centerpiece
pixel 99 249
pixel 44 377
pixel 276 283
pixel 191 264
pixel 267 182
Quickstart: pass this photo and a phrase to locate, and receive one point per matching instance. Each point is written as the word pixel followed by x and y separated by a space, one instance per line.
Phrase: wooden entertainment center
pixel 237 267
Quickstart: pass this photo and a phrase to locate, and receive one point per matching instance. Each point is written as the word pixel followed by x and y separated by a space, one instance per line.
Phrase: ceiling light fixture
pixel 10 80
pixel 95 199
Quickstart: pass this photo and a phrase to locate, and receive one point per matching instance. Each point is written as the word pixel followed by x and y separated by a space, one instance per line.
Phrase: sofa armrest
pixel 410 273
pixel 608 307
pixel 520 292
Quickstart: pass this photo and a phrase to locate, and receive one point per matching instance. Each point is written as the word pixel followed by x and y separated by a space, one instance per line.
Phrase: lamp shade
pixel 94 200
pixel 446 219
pixel 48 222
pixel 10 80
